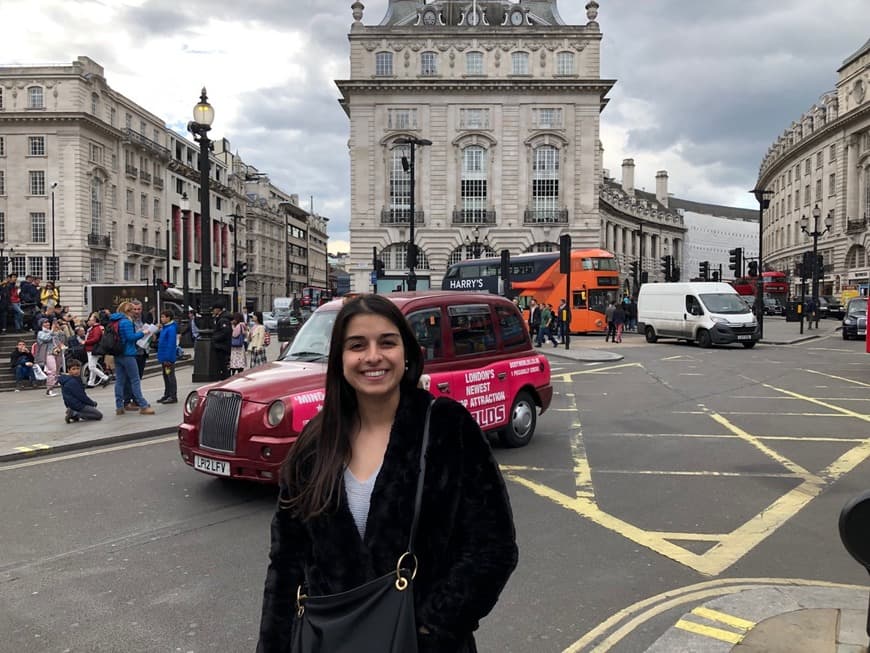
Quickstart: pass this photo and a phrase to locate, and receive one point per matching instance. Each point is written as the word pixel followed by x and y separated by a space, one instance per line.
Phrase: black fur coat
pixel 466 544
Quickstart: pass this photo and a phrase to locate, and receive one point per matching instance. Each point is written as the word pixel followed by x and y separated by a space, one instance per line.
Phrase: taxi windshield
pixel 312 341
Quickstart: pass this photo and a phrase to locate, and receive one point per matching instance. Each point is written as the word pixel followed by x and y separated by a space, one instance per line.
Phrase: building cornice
pixel 60 117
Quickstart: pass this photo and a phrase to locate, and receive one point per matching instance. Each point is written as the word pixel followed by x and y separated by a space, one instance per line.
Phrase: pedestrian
pixel 5 307
pixel 49 296
pixel 238 343
pixel 564 319
pixel 15 303
pixel 141 357
pixel 21 362
pixel 332 532
pixel 632 314
pixel 812 311
pixel 220 339
pixel 618 319
pixel 125 362
pixel 78 404
pixel 92 337
pixel 534 318
pixel 544 331
pixel 257 343
pixel 49 351
pixel 608 317
pixel 167 352
pixel 191 325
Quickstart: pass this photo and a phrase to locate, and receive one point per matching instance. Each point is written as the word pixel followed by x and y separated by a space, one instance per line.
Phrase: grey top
pixel 359 497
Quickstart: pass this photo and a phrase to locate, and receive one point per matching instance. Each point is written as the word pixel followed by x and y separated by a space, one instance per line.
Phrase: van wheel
pixel 521 422
pixel 650 334
pixel 704 339
pixel 845 337
pixel 749 345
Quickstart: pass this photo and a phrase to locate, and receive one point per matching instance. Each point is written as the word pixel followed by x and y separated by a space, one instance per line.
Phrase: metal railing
pixel 132 171
pixel 474 216
pixel 134 247
pixel 132 136
pixel 400 216
pixel 97 240
pixel 158 182
pixel 554 216
pixel 854 226
pixel 145 176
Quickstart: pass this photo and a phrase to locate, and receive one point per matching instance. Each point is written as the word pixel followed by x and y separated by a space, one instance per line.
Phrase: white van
pixel 709 313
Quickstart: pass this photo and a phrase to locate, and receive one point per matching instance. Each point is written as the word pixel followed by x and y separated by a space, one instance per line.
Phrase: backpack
pixel 110 343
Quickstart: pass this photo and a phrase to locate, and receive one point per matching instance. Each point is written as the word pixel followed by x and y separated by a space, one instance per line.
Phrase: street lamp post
pixel 763 196
pixel 185 245
pixel 408 166
pixel 476 243
pixel 814 234
pixel 52 276
pixel 235 228
pixel 205 361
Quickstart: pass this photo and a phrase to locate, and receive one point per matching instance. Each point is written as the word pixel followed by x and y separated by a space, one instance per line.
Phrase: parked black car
pixel 855 322
pixel 831 307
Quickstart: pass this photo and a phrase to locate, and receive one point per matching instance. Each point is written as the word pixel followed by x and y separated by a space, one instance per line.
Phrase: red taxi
pixel 476 347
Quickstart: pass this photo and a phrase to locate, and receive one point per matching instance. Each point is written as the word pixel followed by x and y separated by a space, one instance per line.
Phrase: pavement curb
pixel 86 444
pixel 587 356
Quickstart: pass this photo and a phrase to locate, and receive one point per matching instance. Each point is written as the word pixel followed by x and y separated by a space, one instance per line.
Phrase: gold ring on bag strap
pixel 401 581
pixel 300 609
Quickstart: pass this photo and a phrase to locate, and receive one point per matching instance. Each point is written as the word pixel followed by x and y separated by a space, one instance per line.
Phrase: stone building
pixel 97 179
pixel 823 160
pixel 509 96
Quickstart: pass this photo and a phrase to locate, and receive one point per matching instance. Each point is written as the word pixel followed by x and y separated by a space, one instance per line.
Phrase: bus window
pixel 469 272
pixel 426 326
pixel 579 298
pixel 599 299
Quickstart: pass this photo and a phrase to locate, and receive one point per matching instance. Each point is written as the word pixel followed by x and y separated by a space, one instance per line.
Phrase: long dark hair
pixel 312 469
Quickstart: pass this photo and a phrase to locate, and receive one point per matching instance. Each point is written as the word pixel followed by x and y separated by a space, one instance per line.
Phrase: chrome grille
pixel 220 420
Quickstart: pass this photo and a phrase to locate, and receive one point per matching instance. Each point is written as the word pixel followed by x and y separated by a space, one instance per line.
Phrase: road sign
pixel 373 278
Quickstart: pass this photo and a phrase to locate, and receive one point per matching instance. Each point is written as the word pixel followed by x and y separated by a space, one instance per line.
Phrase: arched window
pixel 520 63
pixel 96 206
pixel 856 257
pixel 474 184
pixel 466 253
pixel 395 257
pixel 545 183
pixel 542 247
pixel 35 98
pixel 400 185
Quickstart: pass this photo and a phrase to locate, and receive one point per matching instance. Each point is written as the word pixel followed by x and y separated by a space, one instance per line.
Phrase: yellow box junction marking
pixel 729 547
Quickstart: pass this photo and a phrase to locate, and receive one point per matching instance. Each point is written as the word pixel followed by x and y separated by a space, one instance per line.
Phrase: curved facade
pixel 823 159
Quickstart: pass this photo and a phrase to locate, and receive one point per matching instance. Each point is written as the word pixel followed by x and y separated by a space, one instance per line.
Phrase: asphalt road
pixel 673 467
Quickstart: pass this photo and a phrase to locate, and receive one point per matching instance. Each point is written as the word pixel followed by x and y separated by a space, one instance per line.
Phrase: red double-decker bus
pixel 775 286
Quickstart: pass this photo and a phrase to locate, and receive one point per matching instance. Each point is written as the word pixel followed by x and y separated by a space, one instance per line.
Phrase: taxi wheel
pixel 521 425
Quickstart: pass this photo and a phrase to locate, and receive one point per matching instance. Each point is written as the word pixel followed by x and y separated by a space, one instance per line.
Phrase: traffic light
pixel 675 272
pixel 644 277
pixel 735 256
pixel 564 253
pixel 635 270
pixel 379 268
pixel 230 281
pixel 505 270
pixel 666 266
pixel 241 271
pixel 820 265
pixel 753 268
pixel 412 255
pixel 716 275
pixel 704 268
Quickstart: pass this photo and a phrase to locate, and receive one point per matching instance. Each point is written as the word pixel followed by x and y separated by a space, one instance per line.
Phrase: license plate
pixel 748 337
pixel 211 465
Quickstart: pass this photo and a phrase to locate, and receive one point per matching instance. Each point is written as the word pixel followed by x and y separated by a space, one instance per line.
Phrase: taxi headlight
pixel 191 402
pixel 275 413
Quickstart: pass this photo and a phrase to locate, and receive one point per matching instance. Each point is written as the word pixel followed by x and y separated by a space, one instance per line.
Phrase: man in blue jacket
pixel 78 404
pixel 125 362
pixel 167 351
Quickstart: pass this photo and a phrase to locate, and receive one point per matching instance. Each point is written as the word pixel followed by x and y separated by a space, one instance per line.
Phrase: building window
pixel 95 103
pixel 37 182
pixel 797 198
pixel 807 195
pixel 401 119
pixel 156 207
pixel 1 98
pixel 96 206
pixel 565 63
pixel 142 127
pixel 788 177
pixel 400 183
pixel 428 64
pixel 545 180
pixel 19 266
pixel 474 177
pixel 520 63
pixel 95 152
pixel 130 272
pixel 832 153
pixel 2 227
pixel 113 116
pixel 383 64
pixel 818 190
pixel 143 205
pixel 2 146
pixel 131 201
pixel 474 118
pixel 35 98
pixel 2 183
pixel 96 270
pixel 548 118
pixel 34 265
pixel 37 227
pixel 36 145
pixel 807 165
pixel 819 161
pixel 832 184
pixel 179 186
pixel 474 63
pixel 113 196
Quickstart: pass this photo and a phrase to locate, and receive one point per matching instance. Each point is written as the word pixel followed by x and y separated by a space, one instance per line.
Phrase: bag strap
pixel 418 499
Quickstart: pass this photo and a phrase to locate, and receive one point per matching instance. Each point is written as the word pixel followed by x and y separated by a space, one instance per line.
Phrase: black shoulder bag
pixel 375 617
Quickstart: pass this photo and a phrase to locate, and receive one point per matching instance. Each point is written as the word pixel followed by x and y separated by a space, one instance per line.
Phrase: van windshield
pixel 724 303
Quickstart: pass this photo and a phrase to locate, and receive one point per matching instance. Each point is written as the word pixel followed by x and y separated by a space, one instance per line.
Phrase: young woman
pixel 257 343
pixel 50 343
pixel 347 491
pixel 237 344
pixel 93 336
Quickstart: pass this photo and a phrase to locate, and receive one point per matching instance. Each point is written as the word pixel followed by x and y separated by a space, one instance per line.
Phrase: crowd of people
pixel 547 324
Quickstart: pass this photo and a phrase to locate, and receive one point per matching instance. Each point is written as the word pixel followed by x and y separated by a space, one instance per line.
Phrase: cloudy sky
pixel 703 86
